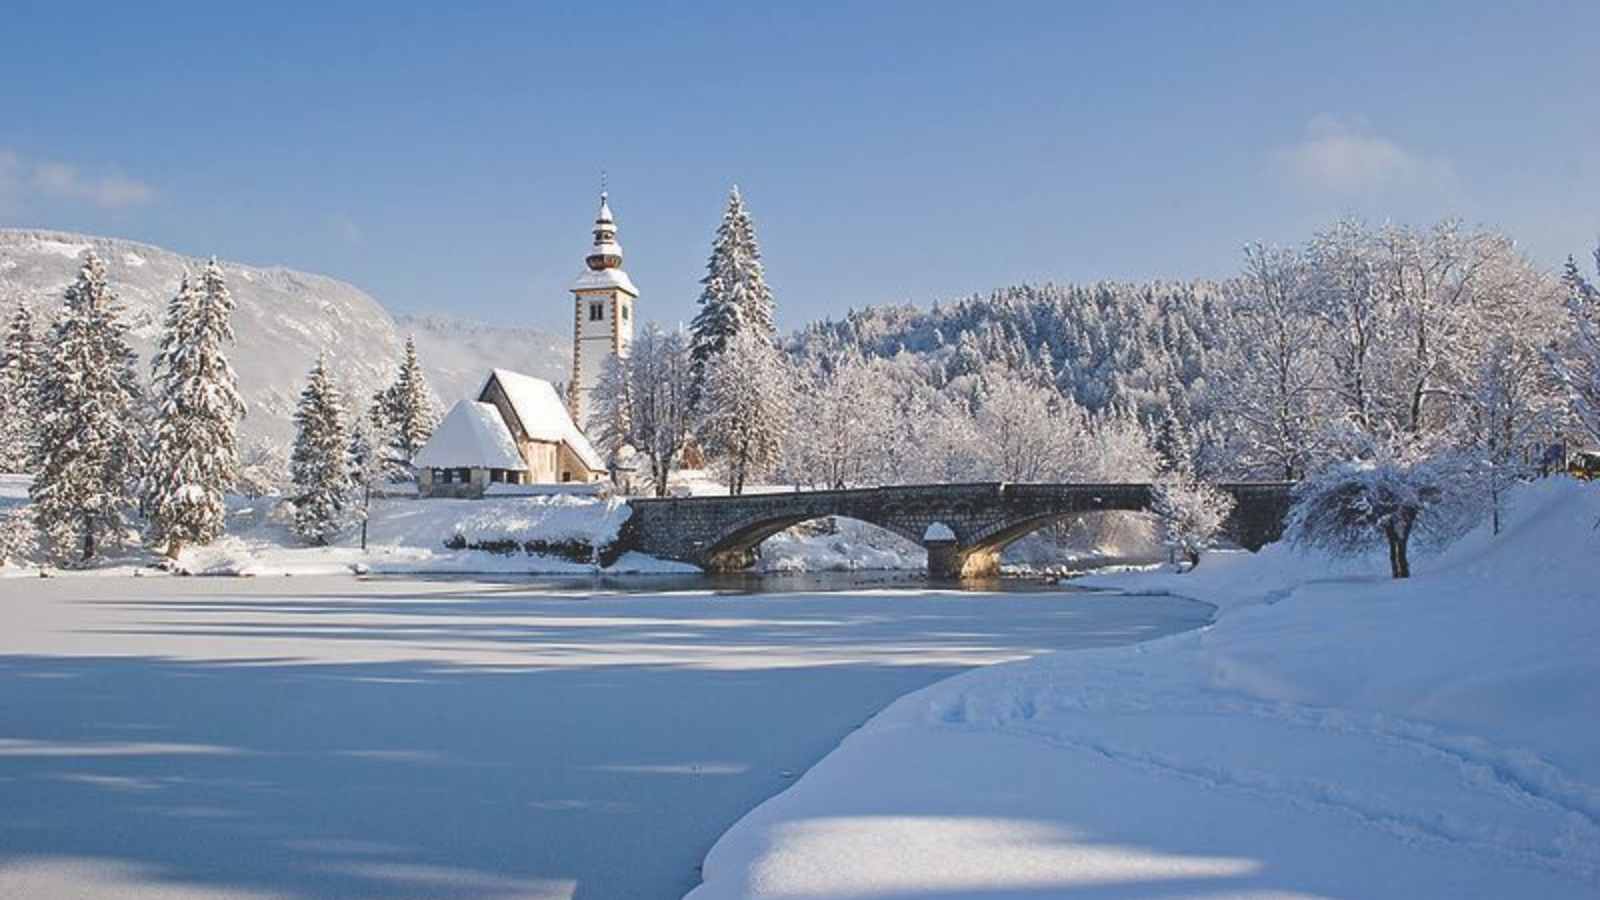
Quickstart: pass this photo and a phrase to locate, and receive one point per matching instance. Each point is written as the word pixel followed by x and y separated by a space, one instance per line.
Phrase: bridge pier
pixel 729 560
pixel 947 560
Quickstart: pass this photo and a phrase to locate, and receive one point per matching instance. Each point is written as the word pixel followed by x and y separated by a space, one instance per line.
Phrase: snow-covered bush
pixel 1350 508
pixel 1191 514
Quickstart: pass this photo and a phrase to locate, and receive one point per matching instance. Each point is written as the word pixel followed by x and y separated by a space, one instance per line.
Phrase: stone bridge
pixel 722 533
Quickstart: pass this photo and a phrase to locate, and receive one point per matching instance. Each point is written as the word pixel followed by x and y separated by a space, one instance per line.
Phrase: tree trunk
pixel 1399 565
pixel 88 540
pixel 174 547
pixel 1193 556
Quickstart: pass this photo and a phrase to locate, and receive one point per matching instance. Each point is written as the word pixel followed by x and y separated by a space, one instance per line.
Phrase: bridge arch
pixel 736 547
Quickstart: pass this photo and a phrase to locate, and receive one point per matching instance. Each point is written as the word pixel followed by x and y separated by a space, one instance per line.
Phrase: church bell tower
pixel 603 318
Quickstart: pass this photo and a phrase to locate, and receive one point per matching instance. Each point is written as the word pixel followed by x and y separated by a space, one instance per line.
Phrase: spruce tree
pixel 367 467
pixel 21 360
pixel 87 394
pixel 403 416
pixel 195 458
pixel 320 464
pixel 734 296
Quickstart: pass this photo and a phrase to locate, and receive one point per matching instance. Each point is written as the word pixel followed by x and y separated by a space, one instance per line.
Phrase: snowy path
pixel 333 738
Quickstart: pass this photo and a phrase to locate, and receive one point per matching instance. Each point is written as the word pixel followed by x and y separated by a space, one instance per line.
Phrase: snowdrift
pixel 1333 733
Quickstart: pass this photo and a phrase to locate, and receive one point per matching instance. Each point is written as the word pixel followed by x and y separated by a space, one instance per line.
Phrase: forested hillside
pixel 1363 341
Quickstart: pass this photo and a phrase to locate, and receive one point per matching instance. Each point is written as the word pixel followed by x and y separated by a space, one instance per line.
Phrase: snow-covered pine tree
pixel 747 406
pixel 21 361
pixel 367 467
pixel 320 463
pixel 1577 364
pixel 403 416
pixel 87 393
pixel 1171 440
pixel 734 296
pixel 195 458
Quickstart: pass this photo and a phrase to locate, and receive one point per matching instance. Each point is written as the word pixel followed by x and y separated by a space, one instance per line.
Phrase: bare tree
pixel 1270 387
pixel 643 402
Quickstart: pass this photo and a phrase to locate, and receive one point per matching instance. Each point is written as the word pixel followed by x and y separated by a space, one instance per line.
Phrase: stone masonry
pixel 721 533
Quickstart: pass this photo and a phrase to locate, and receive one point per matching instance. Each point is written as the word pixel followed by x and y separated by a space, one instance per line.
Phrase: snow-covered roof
pixel 605 280
pixel 472 435
pixel 542 414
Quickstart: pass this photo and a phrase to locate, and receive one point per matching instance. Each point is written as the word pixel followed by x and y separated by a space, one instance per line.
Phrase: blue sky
pixel 448 160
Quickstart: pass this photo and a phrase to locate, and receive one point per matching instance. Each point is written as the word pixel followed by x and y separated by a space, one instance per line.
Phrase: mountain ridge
pixel 283 318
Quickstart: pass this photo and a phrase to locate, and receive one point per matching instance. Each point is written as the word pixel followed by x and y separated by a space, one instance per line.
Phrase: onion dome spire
pixel 606 253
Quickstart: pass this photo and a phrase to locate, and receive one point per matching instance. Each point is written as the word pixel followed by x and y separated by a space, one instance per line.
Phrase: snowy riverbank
pixel 406 536
pixel 1334 733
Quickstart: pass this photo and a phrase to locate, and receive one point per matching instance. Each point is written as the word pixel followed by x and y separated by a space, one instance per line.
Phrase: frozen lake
pixel 298 737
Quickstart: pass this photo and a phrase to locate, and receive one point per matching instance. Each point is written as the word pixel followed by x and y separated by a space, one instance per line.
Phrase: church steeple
pixel 607 253
pixel 602 326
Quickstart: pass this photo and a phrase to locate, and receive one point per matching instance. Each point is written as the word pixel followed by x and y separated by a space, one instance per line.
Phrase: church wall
pixel 542 461
pixel 572 468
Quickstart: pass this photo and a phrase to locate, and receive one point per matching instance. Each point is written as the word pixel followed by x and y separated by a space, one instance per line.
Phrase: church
pixel 518 430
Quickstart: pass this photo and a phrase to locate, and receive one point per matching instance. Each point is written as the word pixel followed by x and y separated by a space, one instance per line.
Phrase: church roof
pixel 542 414
pixel 605 280
pixel 472 435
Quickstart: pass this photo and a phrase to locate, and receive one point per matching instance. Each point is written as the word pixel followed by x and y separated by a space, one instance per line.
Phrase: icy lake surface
pixel 300 737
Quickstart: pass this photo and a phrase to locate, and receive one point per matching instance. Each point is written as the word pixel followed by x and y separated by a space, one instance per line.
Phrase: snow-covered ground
pixel 334 737
pixel 1335 733
pixel 405 537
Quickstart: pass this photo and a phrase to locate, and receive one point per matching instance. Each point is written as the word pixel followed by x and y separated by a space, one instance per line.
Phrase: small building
pixel 517 431
pixel 470 450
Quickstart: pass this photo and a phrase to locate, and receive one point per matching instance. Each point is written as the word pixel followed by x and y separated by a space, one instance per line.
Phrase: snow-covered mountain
pixel 459 352
pixel 284 318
